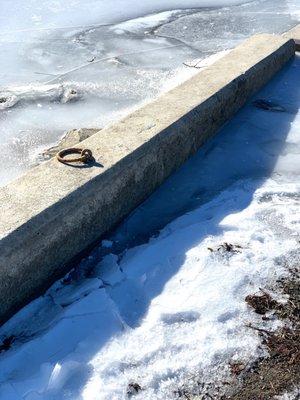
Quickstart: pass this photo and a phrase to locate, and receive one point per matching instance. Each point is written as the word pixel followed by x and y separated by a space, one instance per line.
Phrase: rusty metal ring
pixel 85 155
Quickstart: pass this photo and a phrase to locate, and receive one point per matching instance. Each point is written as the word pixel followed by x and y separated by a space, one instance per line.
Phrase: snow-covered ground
pixel 71 64
pixel 165 306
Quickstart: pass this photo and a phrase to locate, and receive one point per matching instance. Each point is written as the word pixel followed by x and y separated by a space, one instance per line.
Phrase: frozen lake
pixel 72 64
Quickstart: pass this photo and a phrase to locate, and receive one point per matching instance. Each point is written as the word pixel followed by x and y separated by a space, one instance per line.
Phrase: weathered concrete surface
pixel 54 212
pixel 295 35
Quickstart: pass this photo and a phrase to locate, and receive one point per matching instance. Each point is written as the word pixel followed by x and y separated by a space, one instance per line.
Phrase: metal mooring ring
pixel 86 155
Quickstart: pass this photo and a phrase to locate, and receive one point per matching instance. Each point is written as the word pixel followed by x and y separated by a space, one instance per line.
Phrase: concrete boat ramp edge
pixel 54 212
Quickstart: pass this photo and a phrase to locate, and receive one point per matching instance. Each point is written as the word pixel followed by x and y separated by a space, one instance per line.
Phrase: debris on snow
pixel 268 105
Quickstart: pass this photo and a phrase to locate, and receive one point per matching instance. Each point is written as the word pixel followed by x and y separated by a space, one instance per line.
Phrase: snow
pixel 289 396
pixel 75 64
pixel 164 307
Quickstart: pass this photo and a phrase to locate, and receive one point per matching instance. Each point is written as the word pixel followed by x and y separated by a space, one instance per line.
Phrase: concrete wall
pixel 295 35
pixel 54 212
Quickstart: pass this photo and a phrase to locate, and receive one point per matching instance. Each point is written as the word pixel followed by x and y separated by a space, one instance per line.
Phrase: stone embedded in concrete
pixel 54 212
pixel 70 139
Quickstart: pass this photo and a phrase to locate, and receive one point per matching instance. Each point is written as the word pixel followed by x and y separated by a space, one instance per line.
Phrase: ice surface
pixel 72 64
pixel 214 30
pixel 169 312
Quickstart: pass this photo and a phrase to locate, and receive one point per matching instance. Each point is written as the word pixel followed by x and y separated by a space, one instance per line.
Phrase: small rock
pixel 70 139
pixel 237 368
pixel 133 389
pixel 69 95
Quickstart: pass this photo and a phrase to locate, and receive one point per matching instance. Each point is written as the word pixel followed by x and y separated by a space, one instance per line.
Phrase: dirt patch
pixel 271 376
pixel 280 372
pixel 262 303
pixel 277 374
